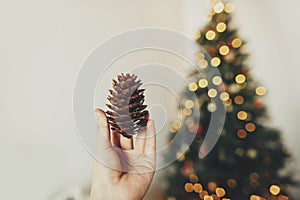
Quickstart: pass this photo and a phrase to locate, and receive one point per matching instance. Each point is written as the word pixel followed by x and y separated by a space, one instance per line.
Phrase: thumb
pixel 106 159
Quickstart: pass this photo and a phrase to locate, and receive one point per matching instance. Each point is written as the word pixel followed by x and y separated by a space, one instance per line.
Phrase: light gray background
pixel 43 43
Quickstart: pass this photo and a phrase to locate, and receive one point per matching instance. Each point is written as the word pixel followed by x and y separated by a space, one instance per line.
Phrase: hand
pixel 125 171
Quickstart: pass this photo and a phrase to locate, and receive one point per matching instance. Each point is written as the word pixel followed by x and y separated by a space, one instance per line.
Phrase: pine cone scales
pixel 126 114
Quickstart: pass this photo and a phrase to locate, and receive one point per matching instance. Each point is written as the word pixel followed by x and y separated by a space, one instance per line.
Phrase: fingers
pixel 126 143
pixel 141 140
pixel 109 162
pixel 150 145
pixel 103 128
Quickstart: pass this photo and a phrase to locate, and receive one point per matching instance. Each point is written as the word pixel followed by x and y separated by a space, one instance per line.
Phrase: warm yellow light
pixel 216 80
pixel 198 187
pixel 215 62
pixel 207 197
pixel 193 178
pixel 212 186
pixel 254 197
pixel 224 96
pixel 203 64
pixel 212 93
pixel 260 91
pixel 224 50
pixel 275 190
pixel 203 83
pixel 200 56
pixel 193 87
pixel 180 156
pixel 239 100
pixel 189 187
pixel 229 7
pixel 228 103
pixel 240 78
pixel 241 133
pixel 210 35
pixel 250 127
pixel 221 27
pixel 197 35
pixel 211 107
pixel 252 153
pixel 202 194
pixel 189 104
pixel 219 7
pixel 220 192
pixel 242 115
pixel 174 127
pixel 236 43
pixel 187 111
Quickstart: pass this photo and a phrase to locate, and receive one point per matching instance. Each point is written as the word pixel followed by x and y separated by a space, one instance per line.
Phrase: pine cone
pixel 127 113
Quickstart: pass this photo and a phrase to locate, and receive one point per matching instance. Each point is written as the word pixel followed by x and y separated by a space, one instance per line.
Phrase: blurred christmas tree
pixel 247 161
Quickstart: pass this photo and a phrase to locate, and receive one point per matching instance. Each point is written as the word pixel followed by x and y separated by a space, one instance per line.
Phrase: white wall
pixel 43 44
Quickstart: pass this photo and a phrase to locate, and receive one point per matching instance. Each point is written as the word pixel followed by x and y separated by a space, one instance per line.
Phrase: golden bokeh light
pixel 189 104
pixel 193 87
pixel 174 127
pixel 193 178
pixel 199 56
pixel 189 187
pixel 215 62
pixel 224 96
pixel 207 197
pixel 219 7
pixel 239 100
pixel 197 35
pixel 229 7
pixel 220 192
pixel 274 189
pixel 228 103
pixel 212 93
pixel 242 115
pixel 210 35
pixel 198 187
pixel 236 43
pixel 180 156
pixel 241 133
pixel 260 91
pixel 187 111
pixel 224 50
pixel 211 107
pixel 254 197
pixel 250 127
pixel 202 194
pixel 212 186
pixel 221 27
pixel 203 64
pixel 216 80
pixel 203 83
pixel 240 78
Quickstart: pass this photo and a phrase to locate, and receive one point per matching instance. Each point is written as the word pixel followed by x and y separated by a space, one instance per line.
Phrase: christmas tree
pixel 247 161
